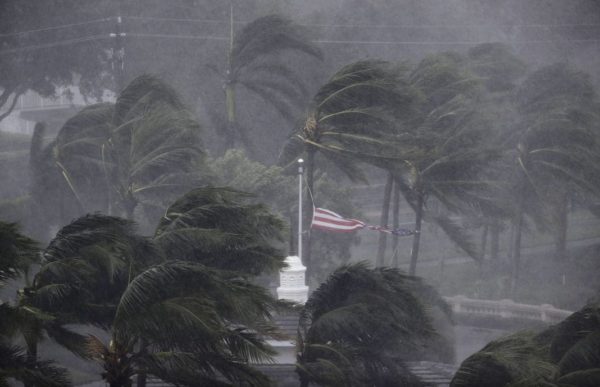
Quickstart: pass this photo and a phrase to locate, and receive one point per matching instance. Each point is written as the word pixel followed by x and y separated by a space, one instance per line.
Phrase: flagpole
pixel 300 175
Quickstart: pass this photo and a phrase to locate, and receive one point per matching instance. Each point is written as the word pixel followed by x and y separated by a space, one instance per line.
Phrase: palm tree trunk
pixel 484 237
pixel 141 375
pixel 385 210
pixel 141 379
pixel 414 255
pixel 129 204
pixel 516 248
pixel 494 239
pixel 562 223
pixel 38 227
pixel 229 88
pixel 396 223
pixel 231 116
pixel 32 354
pixel 308 209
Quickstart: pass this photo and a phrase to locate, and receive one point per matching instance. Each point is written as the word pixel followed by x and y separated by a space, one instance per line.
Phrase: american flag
pixel 330 221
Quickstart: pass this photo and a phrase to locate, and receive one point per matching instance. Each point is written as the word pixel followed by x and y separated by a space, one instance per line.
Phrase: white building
pixel 31 108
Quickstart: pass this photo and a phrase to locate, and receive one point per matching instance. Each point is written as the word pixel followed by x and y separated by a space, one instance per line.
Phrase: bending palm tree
pixel 356 327
pixel 98 268
pixel 350 118
pixel 557 141
pixel 449 154
pixel 564 355
pixel 218 228
pixel 253 65
pixel 117 157
pixel 199 326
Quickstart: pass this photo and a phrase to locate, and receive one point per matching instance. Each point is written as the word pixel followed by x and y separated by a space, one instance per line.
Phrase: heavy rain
pixel 300 193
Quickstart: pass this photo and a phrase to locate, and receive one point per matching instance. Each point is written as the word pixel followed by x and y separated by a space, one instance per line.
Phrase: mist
pixel 448 232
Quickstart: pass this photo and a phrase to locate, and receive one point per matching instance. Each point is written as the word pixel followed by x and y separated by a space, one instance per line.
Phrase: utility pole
pixel 118 55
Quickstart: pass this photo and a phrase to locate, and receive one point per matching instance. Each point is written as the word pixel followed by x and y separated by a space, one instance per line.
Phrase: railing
pixel 507 309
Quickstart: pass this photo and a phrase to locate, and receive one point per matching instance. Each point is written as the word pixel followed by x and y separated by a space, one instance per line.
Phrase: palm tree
pixel 75 284
pixel 252 63
pixel 500 71
pixel 349 117
pixel 449 154
pixel 17 254
pixel 137 152
pixel 218 228
pixel 555 148
pixel 198 326
pixel 101 272
pixel 356 327
pixel 560 356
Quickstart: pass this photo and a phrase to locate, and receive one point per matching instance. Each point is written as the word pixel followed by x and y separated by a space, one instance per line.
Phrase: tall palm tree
pixel 449 152
pixel 355 328
pixel 555 148
pixel 350 116
pixel 253 64
pixel 500 71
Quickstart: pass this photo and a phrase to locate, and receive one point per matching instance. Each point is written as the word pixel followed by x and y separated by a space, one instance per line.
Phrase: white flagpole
pixel 300 175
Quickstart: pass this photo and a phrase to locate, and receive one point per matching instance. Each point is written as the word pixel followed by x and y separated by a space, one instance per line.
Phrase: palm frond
pixel 17 252
pixel 268 35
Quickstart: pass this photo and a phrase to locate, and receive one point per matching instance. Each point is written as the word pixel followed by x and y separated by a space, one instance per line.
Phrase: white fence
pixel 507 309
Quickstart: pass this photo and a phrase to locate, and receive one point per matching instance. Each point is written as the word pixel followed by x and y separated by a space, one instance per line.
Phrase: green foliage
pixel 14 365
pixel 88 265
pixel 497 65
pixel 142 151
pixel 350 114
pixel 180 298
pixel 516 357
pixel 17 252
pixel 561 356
pixel 214 226
pixel 188 313
pixel 269 184
pixel 356 327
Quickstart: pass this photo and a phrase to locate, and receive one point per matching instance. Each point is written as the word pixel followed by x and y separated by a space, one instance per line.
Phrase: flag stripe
pixel 336 229
pixel 328 220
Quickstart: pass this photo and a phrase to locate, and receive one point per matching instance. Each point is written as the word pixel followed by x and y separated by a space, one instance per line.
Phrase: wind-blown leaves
pixel 214 226
pixel 87 266
pixel 254 64
pixel 17 252
pixel 14 364
pixel 562 356
pixel 167 300
pixel 112 157
pixel 359 323
pixel 187 312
